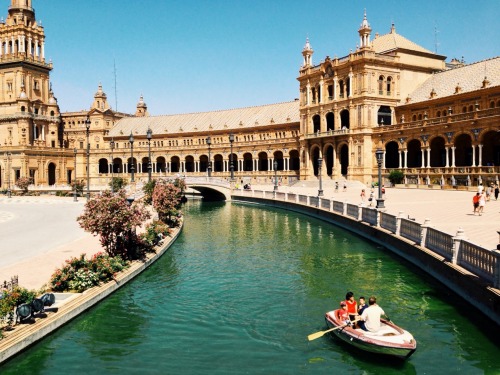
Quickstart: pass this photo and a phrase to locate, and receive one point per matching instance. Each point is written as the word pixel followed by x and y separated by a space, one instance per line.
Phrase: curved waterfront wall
pixel 468 270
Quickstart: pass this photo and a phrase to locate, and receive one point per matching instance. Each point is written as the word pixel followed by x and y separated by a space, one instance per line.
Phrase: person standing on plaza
pixel 362 195
pixel 345 187
pixel 475 202
pixel 370 199
pixel 497 190
pixel 482 203
pixel 489 191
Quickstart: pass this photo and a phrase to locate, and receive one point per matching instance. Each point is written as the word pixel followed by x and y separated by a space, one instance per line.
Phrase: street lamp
pixel 380 156
pixel 209 142
pixel 320 190
pixel 131 140
pixel 275 165
pixel 231 166
pixel 149 135
pixel 75 199
pixel 87 126
pixel 112 147
pixel 9 192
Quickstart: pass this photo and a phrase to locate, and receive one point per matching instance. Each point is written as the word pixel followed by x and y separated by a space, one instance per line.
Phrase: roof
pixel 230 119
pixel 393 40
pixel 468 78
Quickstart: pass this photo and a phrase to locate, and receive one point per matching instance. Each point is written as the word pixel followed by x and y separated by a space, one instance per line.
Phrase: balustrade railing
pixel 325 204
pixel 369 215
pixel 411 230
pixel 292 197
pixel 338 207
pixel 477 260
pixel 388 222
pixel 439 242
pixel 353 210
pixel 280 195
pixel 303 199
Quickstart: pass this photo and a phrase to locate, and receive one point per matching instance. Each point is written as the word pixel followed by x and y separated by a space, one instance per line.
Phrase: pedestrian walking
pixel 345 187
pixel 482 203
pixel 489 192
pixel 475 202
pixel 370 199
pixel 362 195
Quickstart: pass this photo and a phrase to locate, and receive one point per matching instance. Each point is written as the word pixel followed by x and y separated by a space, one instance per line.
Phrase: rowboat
pixel 389 340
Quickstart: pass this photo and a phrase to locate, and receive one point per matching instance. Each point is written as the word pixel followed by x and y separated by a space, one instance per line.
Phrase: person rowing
pixel 370 318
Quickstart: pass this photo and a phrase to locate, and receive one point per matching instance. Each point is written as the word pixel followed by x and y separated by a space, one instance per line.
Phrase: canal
pixel 239 292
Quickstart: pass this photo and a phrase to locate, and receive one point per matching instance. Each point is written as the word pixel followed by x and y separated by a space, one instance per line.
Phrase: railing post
pixel 377 221
pixel 360 213
pixel 398 223
pixel 423 234
pixel 344 209
pixel 456 245
pixel 496 279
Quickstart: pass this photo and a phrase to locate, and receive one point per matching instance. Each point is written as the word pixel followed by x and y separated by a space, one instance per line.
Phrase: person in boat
pixel 343 314
pixel 362 305
pixel 352 305
pixel 370 318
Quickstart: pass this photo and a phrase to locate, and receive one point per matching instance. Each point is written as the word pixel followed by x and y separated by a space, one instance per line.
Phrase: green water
pixel 240 291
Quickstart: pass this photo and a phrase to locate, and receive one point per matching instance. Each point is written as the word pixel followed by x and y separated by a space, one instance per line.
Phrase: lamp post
pixel 320 190
pixel 9 192
pixel 112 147
pixel 149 135
pixel 275 165
pixel 131 140
pixel 231 165
pixel 87 127
pixel 75 193
pixel 209 142
pixel 380 155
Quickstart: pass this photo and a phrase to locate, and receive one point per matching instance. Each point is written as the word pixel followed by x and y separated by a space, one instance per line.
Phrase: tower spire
pixel 21 12
pixel 307 52
pixel 364 33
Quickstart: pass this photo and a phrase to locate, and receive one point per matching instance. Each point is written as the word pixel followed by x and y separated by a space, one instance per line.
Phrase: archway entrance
pixel 344 160
pixel 52 174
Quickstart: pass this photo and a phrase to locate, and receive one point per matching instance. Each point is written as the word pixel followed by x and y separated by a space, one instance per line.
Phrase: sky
pixel 188 56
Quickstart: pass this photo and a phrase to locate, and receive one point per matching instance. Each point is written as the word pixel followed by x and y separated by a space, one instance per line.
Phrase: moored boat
pixel 389 340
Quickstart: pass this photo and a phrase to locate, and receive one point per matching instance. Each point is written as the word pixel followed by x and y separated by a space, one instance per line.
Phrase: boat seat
pixel 384 330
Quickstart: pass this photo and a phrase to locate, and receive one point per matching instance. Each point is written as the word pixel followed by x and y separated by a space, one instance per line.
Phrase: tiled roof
pixel 231 119
pixel 393 40
pixel 468 78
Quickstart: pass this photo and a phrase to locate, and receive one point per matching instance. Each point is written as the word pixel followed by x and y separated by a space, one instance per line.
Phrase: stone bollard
pixel 398 223
pixel 456 245
pixel 423 235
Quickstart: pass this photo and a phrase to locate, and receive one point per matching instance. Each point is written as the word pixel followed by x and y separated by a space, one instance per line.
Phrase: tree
pixel 396 176
pixel 166 201
pixel 112 218
pixel 23 183
pixel 117 183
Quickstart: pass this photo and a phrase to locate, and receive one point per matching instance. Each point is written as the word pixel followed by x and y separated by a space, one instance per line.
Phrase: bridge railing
pixel 456 249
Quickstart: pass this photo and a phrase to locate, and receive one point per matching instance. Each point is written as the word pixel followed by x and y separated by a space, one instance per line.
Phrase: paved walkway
pixel 37 234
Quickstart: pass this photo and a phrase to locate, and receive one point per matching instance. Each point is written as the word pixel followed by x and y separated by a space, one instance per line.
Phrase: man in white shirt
pixel 370 318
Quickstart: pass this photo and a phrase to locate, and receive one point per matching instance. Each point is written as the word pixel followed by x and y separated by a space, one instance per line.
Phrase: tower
pixel 307 52
pixel 364 33
pixel 142 108
pixel 30 125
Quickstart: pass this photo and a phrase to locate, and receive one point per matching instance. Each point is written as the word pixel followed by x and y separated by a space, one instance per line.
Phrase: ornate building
pixel 435 121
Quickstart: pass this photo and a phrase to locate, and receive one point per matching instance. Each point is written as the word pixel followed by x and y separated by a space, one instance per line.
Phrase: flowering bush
pixel 23 183
pixel 155 231
pixel 78 185
pixel 113 219
pixel 167 200
pixel 10 299
pixel 80 274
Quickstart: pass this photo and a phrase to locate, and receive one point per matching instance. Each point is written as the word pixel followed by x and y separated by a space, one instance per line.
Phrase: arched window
pixel 341 89
pixel 316 124
pixel 414 118
pixel 438 114
pixel 464 109
pixel 420 117
pixel 389 85
pixel 381 85
pixel 471 108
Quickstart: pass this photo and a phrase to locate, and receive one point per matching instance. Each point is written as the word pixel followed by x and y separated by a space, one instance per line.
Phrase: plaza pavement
pixel 37 234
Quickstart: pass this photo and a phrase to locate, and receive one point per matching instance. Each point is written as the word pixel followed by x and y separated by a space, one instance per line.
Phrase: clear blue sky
pixel 190 56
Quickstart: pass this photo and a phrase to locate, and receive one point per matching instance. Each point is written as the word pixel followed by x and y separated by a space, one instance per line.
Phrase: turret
pixel 364 33
pixel 100 100
pixel 21 13
pixel 307 52
pixel 142 108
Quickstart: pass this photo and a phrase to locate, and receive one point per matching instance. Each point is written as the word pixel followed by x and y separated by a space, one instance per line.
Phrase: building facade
pixel 438 122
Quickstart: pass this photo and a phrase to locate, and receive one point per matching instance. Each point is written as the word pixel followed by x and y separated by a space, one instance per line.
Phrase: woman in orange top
pixel 352 305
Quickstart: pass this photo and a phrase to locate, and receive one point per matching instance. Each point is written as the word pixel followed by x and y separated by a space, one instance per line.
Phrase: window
pixel 81 145
pixel 381 85
pixel 36 85
pixel 9 86
pixel 53 144
pixel 389 85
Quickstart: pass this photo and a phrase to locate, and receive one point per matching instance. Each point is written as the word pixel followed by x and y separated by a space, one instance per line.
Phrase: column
pixel 447 156
pixel 453 156
pixel 422 151
pixel 335 88
pixel 320 91
pixel 29 47
pixel 36 47
pixel 6 46
pixel 428 157
pixel 406 159
pixel 169 167
pixel 349 94
pixel 473 155
pixel 308 93
pixel 43 50
pixel 13 51
pixel 400 165
pixel 480 162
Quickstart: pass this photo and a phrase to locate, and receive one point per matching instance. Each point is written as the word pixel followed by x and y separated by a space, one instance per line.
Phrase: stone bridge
pixel 211 188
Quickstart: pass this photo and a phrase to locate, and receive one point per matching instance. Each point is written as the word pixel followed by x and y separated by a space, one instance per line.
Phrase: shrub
pixel 148 189
pixel 23 183
pixel 80 274
pixel 79 185
pixel 167 200
pixel 10 299
pixel 396 177
pixel 114 220
pixel 117 183
pixel 155 231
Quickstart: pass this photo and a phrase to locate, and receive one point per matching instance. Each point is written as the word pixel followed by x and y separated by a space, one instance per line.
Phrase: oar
pixel 317 335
